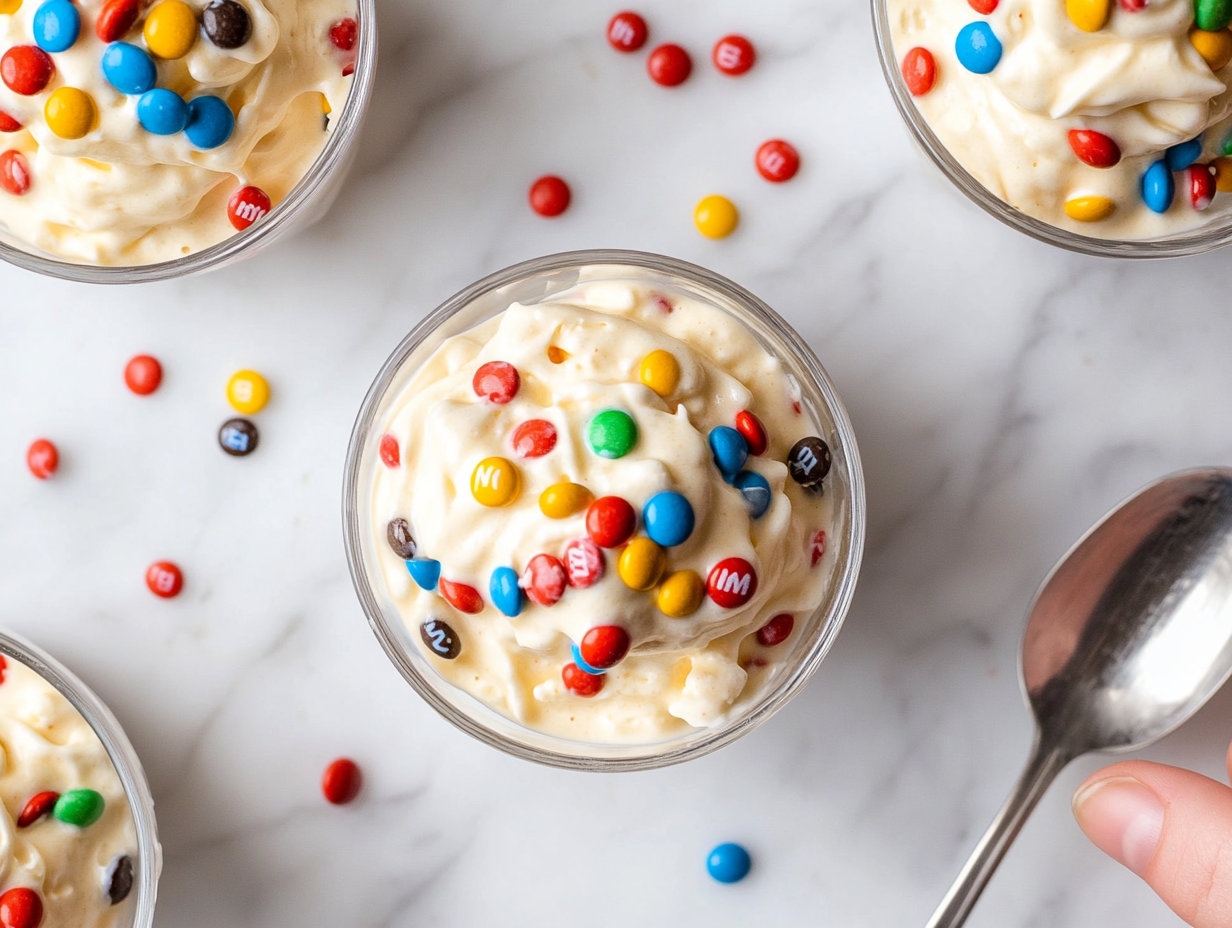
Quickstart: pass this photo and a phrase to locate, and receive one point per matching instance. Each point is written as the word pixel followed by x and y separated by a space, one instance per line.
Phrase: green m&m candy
pixel 612 433
pixel 1212 15
pixel 80 807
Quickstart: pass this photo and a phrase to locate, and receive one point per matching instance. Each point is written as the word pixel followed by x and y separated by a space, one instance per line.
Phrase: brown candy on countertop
pixel 399 535
pixel 809 461
pixel 238 437
pixel 440 639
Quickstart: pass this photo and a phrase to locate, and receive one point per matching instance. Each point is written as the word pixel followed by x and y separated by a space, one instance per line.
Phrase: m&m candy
pixel 660 371
pixel 162 112
pixel 605 646
pixel 495 482
pixel 919 70
pixel 716 216
pixel 441 639
pixel 732 582
pixel 1089 15
pixel 398 534
pixel 777 161
pixel 544 580
pixel 610 521
pixel 8 123
pixel 809 461
pixel 238 437
pixel 583 560
pixel 38 806
pixel 1212 15
pixel 641 564
pixel 1183 155
pixel 1201 185
pixel 681 594
pixel 733 55
pixel 669 65
pixel 729 863
pixel 753 432
pixel 118 878
pixel 1089 208
pixel 247 392
pixel 534 438
pixel 549 196
pixel 1094 148
pixel 246 206
pixel 1214 47
pixel 425 572
pixel 729 449
pixel 129 69
pixel 978 48
pixel 1223 174
pixel 496 381
pixel 226 23
pixel 20 908
pixel 80 807
pixel 756 492
pixel 70 113
pixel 581 661
pixel 164 579
pixel 626 32
pixel 344 33
pixel 14 173
pixel 170 29
pixel 42 458
pixel 388 450
pixel 580 683
pixel 341 781
pixel 115 19
pixel 210 122
pixel 504 590
pixel 26 69
pixel 1157 187
pixel 669 518
pixel 143 374
pixel 56 25
pixel 561 500
pixel 777 630
pixel 611 433
pixel 462 596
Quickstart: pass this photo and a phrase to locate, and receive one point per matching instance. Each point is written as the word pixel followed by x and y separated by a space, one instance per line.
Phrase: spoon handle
pixel 1047 760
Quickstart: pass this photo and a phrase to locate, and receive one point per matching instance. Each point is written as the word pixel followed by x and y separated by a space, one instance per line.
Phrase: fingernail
pixel 1123 818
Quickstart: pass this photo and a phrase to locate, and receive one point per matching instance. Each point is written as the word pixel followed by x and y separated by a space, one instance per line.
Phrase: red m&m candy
pixel 462 597
pixel 610 521
pixel 143 374
pixel 627 32
pixel 753 431
pixel 1201 185
pixel 733 55
pixel 38 806
pixel 26 69
pixel 344 33
pixel 341 781
pixel 584 563
pixel 164 579
pixel 579 682
pixel 42 458
pixel 732 582
pixel 496 381
pixel 777 630
pixel 390 456
pixel 115 19
pixel 983 7
pixel 544 580
pixel 817 547
pixel 246 206
pixel 1094 148
pixel 8 123
pixel 919 71
pixel 534 438
pixel 777 161
pixel 14 173
pixel 20 908
pixel 604 646
pixel 549 196
pixel 669 65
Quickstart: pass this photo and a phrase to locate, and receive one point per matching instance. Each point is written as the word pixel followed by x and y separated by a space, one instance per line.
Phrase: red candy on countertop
pixel 26 69
pixel 164 579
pixel 1201 185
pixel 341 781
pixel 777 161
pixel 579 682
pixel 920 70
pixel 534 438
pixel 115 19
pixel 20 908
pixel 544 580
pixel 1094 148
pixel 14 173
pixel 246 206
pixel 669 65
pixel 610 521
pixel 390 456
pixel 753 431
pixel 983 7
pixel 583 562
pixel 550 196
pixel 604 646
pixel 462 597
pixel 344 34
pixel 8 123
pixel 496 381
pixel 777 630
pixel 732 582
pixel 817 547
pixel 627 32
pixel 143 374
pixel 42 458
pixel 733 55
pixel 39 805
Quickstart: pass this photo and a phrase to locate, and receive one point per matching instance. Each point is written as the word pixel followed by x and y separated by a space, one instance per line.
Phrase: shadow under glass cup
pixel 307 202
pixel 542 280
pixel 148 863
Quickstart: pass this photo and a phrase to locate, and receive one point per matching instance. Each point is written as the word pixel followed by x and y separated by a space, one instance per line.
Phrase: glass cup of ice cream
pixel 1101 126
pixel 77 832
pixel 604 510
pixel 147 139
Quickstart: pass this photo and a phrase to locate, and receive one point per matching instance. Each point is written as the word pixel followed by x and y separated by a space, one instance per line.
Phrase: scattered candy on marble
pixel 441 639
pixel 341 781
pixel 978 48
pixel 777 630
pixel 170 29
pixel 544 580
pixel 20 908
pixel 1201 185
pixel 660 371
pixel 733 55
pixel 754 433
pixel 669 518
pixel 462 596
pixel 119 879
pixel 716 216
pixel 70 113
pixel 641 564
pixel 247 392
pixel 425 572
pixel 604 646
pixel 56 25
pixel 398 534
pixel 550 196
pixel 248 205
pixel 80 807
pixel 732 582
pixel 1094 148
pixel 561 500
pixel 627 31
pixel 143 374
pixel 115 19
pixel 809 461
pixel 42 458
pixel 226 23
pixel 495 482
pixel 238 437
pixel 1158 188
pixel 496 381
pixel 611 433
pixel 669 65
pixel 164 579
pixel 504 590
pixel 610 521
pixel 729 450
pixel 1089 208
pixel 681 594
pixel 534 438
pixel 579 682
pixel 26 69
pixel 37 807
pixel 129 69
pixel 584 563
pixel 729 863
pixel 919 69
pixel 14 173
pixel 388 450
pixel 777 161
pixel 756 492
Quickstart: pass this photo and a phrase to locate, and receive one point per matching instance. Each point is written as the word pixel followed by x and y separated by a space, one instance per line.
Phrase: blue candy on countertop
pixel 729 863
pixel 505 592
pixel 668 518
pixel 210 122
pixel 56 26
pixel 978 48
pixel 582 665
pixel 1158 187
pixel 730 450
pixel 756 491
pixel 425 571
pixel 1181 156
pixel 129 69
pixel 162 112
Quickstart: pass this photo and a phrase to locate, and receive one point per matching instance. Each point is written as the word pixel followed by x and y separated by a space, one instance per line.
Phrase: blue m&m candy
pixel 425 572
pixel 977 47
pixel 129 69
pixel 730 450
pixel 210 122
pixel 162 112
pixel 729 863
pixel 756 491
pixel 582 665
pixel 1158 187
pixel 1181 156
pixel 506 594
pixel 56 26
pixel 668 518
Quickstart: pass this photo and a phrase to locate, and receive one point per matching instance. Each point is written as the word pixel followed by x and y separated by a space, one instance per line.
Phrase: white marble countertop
pixel 1005 394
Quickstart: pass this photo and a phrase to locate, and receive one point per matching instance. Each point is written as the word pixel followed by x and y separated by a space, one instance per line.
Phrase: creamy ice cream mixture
pixel 1138 73
pixel 499 541
pixel 121 194
pixel 82 872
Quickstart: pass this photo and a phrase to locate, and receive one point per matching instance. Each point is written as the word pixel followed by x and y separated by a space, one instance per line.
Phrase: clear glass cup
pixel 148 863
pixel 307 202
pixel 540 280
pixel 1217 233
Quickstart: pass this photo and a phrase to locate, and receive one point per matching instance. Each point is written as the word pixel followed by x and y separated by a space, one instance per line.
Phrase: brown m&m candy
pixel 119 879
pixel 227 23
pixel 440 639
pixel 238 437
pixel 399 535
pixel 809 461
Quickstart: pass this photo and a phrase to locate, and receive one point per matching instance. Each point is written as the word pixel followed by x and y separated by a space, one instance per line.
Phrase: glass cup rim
pixel 332 157
pixel 124 759
pixel 1189 242
pixel 845 575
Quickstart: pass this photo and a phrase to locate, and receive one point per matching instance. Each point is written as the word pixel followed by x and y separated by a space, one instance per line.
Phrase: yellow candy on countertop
pixel 716 217
pixel 1089 209
pixel 660 371
pixel 1089 15
pixel 1214 47
pixel 70 113
pixel 681 594
pixel 641 564
pixel 561 500
pixel 170 29
pixel 247 392
pixel 495 482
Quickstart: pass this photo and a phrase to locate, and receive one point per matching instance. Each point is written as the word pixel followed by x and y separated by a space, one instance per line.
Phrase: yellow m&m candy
pixel 1223 174
pixel 1214 47
pixel 681 594
pixel 9 7
pixel 641 564
pixel 1089 15
pixel 171 29
pixel 247 392
pixel 716 217
pixel 70 113
pixel 561 500
pixel 1089 209
pixel 495 482
pixel 660 371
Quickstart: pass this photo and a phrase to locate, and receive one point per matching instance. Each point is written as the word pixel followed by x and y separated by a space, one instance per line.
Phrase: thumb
pixel 1171 827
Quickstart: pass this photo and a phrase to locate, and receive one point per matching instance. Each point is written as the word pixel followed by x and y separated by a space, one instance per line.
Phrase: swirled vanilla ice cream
pixel 67 839
pixel 132 133
pixel 1108 118
pixel 604 515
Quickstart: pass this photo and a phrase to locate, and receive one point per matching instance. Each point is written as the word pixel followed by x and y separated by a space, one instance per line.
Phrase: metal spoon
pixel 1128 637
